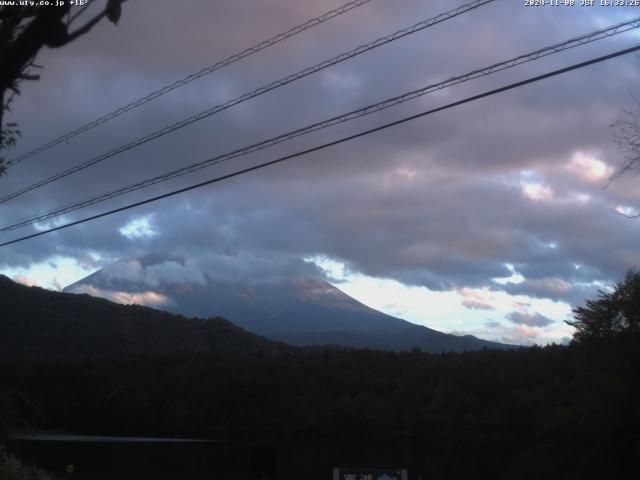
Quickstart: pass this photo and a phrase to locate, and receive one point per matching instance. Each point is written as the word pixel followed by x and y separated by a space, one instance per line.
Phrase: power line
pixel 194 76
pixel 510 63
pixel 255 93
pixel 333 143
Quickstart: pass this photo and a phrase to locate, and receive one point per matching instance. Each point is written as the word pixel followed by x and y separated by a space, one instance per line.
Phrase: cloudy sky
pixel 491 218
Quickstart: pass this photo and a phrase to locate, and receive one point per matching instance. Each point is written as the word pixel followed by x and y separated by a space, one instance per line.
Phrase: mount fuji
pixel 298 308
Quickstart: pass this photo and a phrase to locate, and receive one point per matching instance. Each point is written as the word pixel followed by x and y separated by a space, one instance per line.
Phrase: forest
pixel 567 411
pixel 541 412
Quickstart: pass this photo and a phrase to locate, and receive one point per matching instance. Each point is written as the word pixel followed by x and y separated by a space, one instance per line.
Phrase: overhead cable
pixel 247 96
pixel 190 78
pixel 329 144
pixel 376 107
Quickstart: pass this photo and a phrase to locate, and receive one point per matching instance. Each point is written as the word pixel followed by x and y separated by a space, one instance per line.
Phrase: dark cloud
pixel 154 270
pixel 572 292
pixel 528 319
pixel 492 324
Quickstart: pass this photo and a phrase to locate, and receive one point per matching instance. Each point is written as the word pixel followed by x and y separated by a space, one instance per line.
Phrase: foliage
pixel 613 313
pixel 626 132
pixel 554 412
pixel 24 31
pixel 13 469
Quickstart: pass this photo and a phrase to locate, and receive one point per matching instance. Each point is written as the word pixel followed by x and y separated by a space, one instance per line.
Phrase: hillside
pixel 38 324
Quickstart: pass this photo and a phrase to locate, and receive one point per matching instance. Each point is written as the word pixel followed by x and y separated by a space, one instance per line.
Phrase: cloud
pixel 477 304
pixel 147 298
pixel 537 192
pixel 589 168
pixel 492 324
pixel 521 334
pixel 155 270
pixel 547 287
pixel 139 228
pixel 474 300
pixel 173 271
pixel 125 270
pixel 24 280
pixel 524 320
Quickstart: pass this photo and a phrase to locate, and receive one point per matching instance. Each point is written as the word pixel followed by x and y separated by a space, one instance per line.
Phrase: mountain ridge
pixel 43 325
pixel 299 310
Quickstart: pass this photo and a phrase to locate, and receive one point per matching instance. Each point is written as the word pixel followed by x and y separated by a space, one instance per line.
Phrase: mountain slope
pixel 296 310
pixel 38 324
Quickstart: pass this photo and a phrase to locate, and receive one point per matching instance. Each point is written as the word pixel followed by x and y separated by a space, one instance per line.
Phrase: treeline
pixel 38 325
pixel 553 412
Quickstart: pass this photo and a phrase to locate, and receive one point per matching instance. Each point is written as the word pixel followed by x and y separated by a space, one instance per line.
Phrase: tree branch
pixel 86 28
pixel 80 11
pixel 91 23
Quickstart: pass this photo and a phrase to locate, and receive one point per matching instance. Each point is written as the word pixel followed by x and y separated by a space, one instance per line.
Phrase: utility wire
pixel 194 76
pixel 333 143
pixel 591 37
pixel 247 96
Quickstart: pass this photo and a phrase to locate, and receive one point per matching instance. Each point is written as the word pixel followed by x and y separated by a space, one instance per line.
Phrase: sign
pixel 369 474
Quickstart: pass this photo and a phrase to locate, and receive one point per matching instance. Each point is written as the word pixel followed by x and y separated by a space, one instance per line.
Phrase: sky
pixel 494 218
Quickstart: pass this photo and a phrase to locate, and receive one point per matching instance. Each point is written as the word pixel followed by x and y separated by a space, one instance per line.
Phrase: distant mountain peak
pixel 298 308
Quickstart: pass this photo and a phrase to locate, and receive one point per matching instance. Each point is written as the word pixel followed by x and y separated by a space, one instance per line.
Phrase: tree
pixel 627 136
pixel 11 468
pixel 612 314
pixel 24 31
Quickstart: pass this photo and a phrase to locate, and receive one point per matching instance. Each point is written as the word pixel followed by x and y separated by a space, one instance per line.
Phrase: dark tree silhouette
pixel 24 31
pixel 75 363
pixel 612 314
